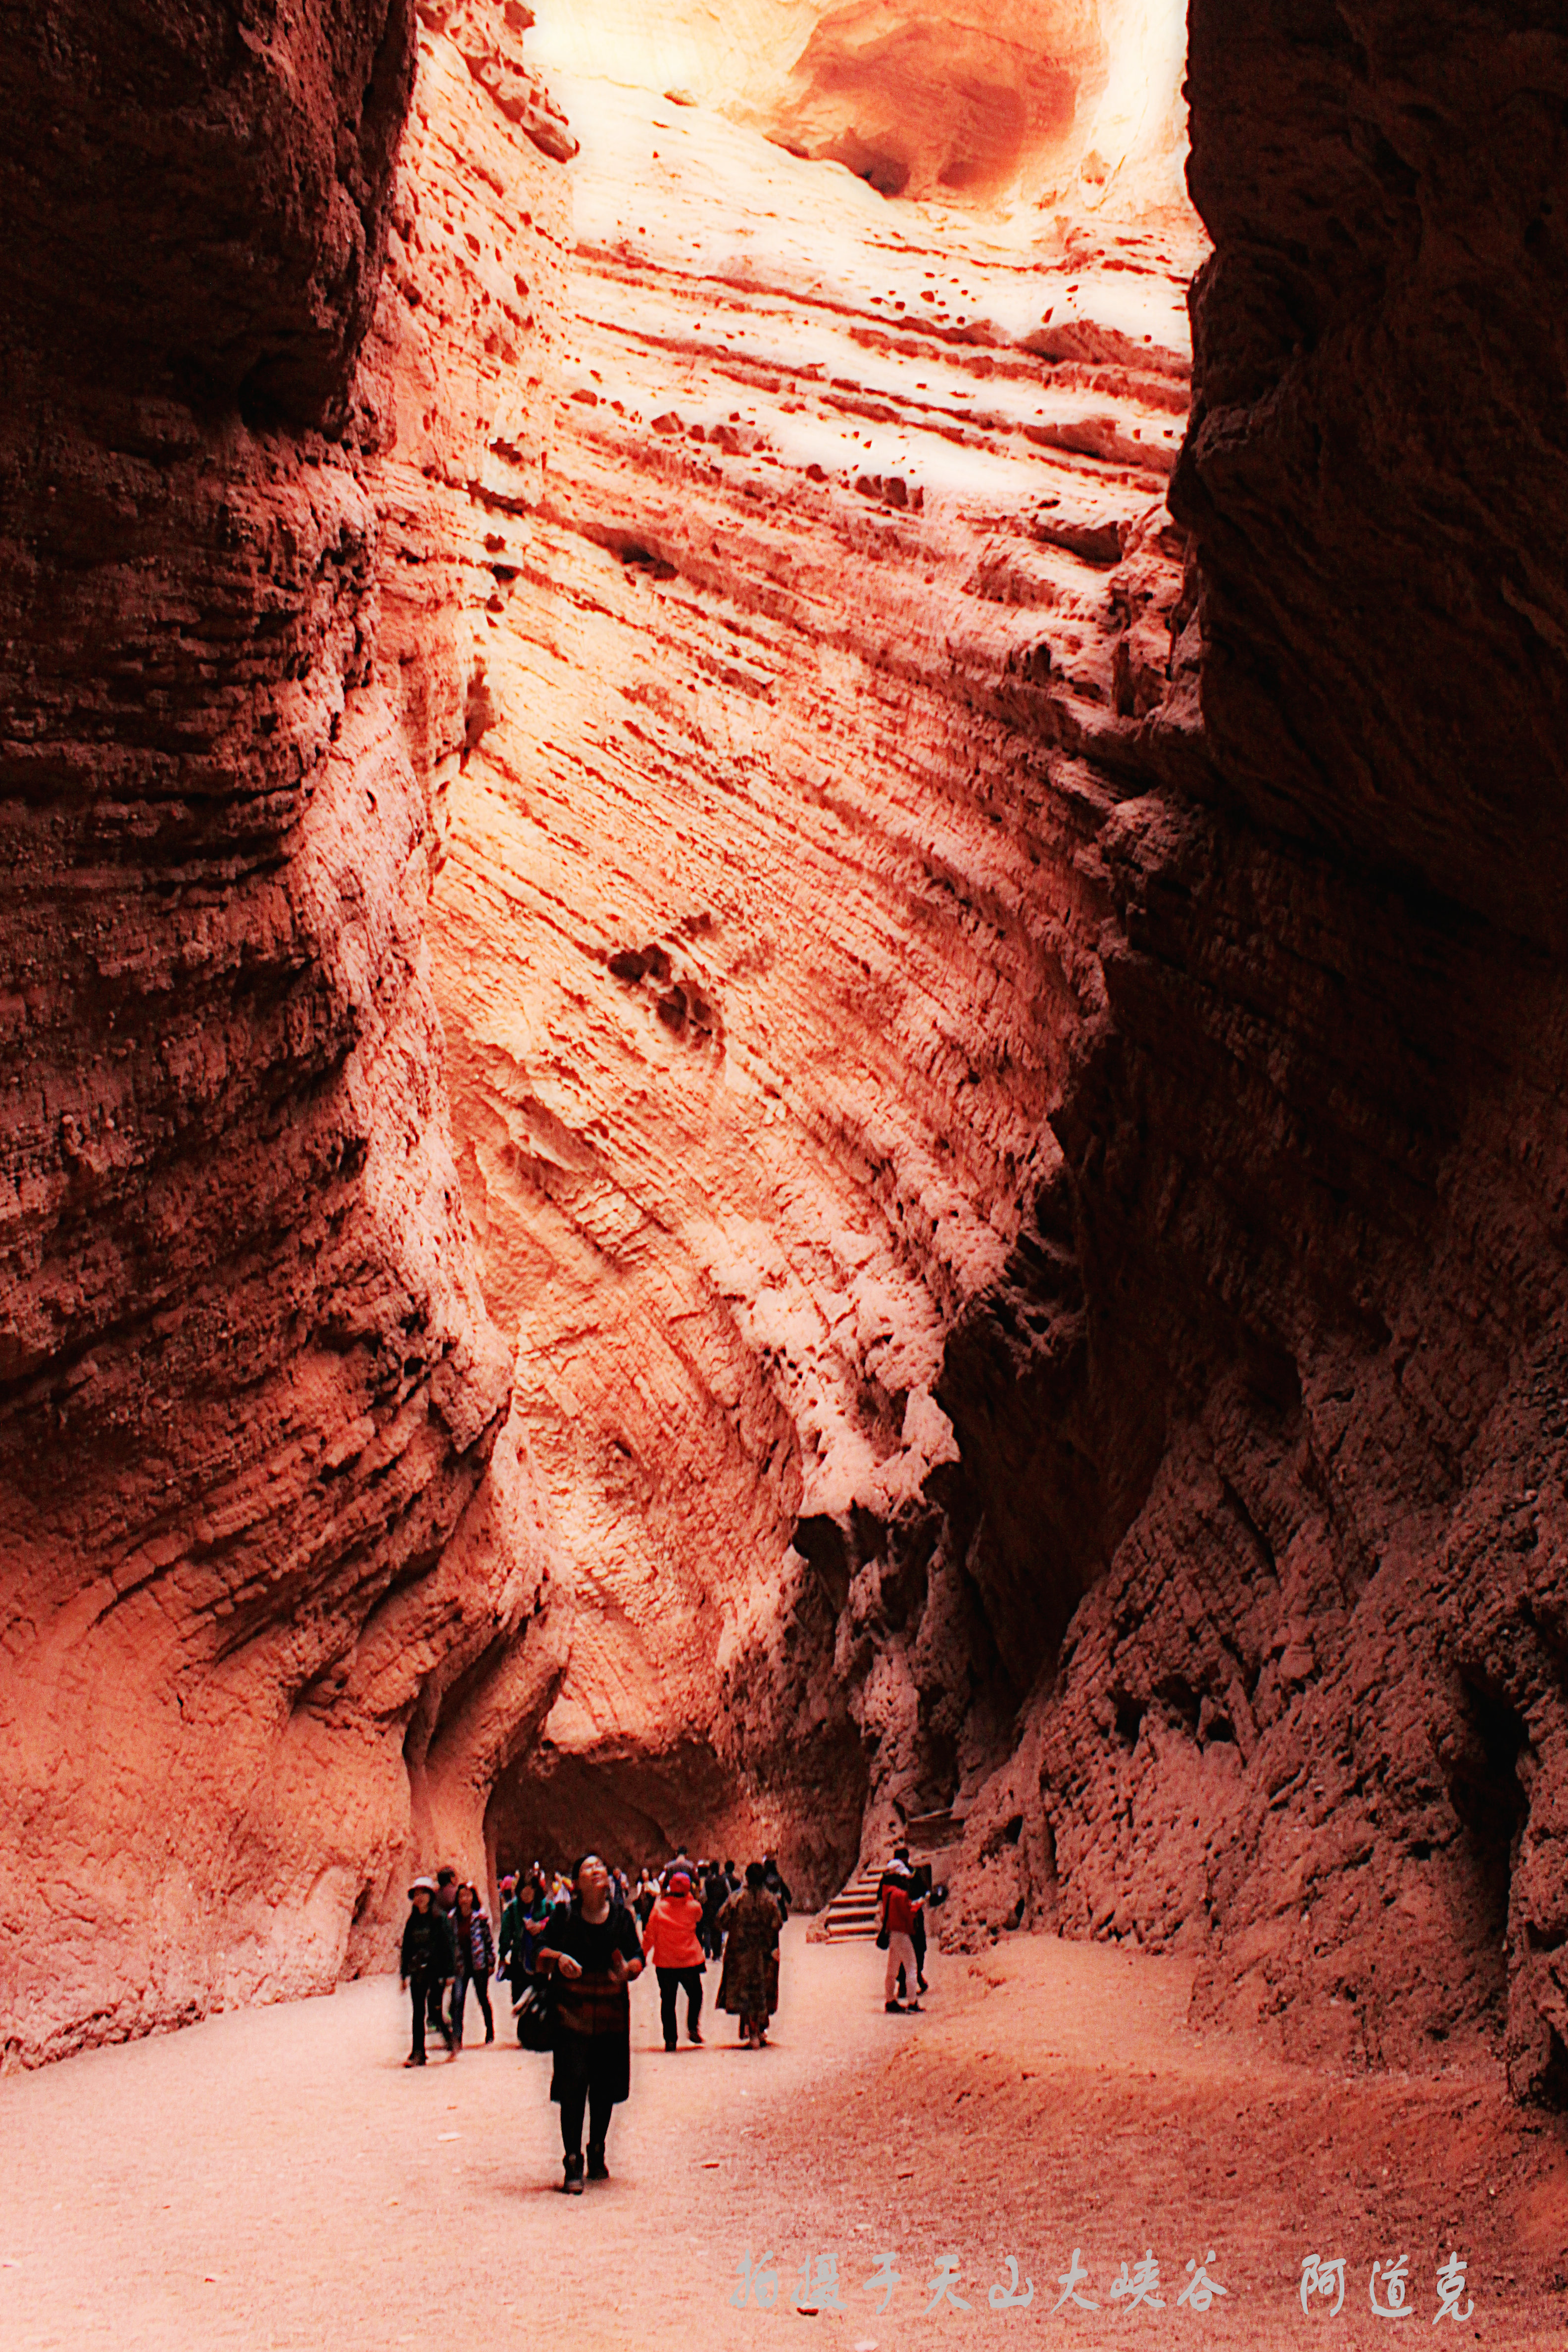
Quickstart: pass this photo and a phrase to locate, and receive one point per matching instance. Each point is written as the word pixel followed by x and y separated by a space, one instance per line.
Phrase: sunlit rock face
pixel 1044 102
pixel 276 1572
pixel 1032 1210
pixel 766 920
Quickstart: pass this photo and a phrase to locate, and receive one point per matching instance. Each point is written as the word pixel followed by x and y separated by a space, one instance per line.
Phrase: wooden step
pixel 853 1910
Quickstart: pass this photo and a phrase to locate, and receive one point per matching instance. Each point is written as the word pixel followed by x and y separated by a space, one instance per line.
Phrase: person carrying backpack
pixel 897 1921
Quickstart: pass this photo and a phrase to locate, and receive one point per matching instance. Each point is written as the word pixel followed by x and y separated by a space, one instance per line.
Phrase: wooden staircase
pixel 853 1910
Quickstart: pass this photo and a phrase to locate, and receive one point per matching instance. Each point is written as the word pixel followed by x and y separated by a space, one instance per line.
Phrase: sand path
pixel 275 2179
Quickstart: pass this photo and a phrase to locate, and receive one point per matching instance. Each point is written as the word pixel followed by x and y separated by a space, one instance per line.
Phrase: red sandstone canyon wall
pixel 760 932
pixel 1310 1719
pixel 276 1568
pixel 1216 1574
pixel 1044 102
pixel 754 1085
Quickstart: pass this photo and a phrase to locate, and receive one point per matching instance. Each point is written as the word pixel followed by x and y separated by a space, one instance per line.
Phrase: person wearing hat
pixel 916 1884
pixel 671 1938
pixel 898 1905
pixel 425 1964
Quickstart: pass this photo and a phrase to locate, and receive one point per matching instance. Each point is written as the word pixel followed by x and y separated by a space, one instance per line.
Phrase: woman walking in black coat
pixel 773 1880
pixel 425 1963
pixel 593 1953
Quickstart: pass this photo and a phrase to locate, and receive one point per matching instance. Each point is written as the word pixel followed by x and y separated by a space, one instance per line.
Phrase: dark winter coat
pixel 426 1948
pixel 593 2011
pixel 511 1939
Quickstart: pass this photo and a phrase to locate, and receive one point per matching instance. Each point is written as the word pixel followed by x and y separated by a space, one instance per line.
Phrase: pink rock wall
pixel 765 916
pixel 268 1543
pixel 1042 104
pixel 1026 1201
pixel 1081 1165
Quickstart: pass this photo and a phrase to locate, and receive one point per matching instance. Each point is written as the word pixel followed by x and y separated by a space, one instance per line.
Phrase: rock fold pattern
pixel 767 906
pixel 272 1554
pixel 1075 1156
pixel 766 1069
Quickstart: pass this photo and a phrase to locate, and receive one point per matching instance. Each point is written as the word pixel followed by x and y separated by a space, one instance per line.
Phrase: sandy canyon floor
pixel 275 2179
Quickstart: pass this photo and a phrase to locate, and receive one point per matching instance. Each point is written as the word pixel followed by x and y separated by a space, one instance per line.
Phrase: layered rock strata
pixel 1314 1717
pixel 1029 1206
pixel 1085 1177
pixel 767 910
pixel 273 1555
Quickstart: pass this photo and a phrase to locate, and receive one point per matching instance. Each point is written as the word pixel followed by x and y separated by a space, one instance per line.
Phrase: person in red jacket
pixel 671 1939
pixel 900 1903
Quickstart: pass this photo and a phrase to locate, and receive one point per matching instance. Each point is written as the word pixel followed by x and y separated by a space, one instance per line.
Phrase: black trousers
pixel 481 1985
pixel 574 2097
pixel 424 1992
pixel 669 1983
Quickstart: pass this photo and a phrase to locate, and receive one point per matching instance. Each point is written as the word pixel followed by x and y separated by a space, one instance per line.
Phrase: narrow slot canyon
pixel 761 933
pixel 785 998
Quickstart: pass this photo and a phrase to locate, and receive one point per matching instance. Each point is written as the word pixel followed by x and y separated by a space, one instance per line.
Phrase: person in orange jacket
pixel 670 1939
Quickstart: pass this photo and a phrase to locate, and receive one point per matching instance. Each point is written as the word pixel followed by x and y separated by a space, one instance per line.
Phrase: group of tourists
pixel 713 1885
pixel 583 1941
pixel 572 1947
pixel 681 1931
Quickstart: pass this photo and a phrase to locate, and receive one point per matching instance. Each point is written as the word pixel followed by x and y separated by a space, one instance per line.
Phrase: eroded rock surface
pixel 269 1546
pixel 1029 1208
pixel 768 907
pixel 1046 102
pixel 1085 1178
pixel 1314 1714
